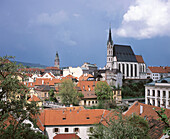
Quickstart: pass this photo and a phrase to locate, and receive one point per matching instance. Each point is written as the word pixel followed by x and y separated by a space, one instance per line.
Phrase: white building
pixel 156 73
pixel 70 121
pixel 76 72
pixel 158 93
pixel 123 58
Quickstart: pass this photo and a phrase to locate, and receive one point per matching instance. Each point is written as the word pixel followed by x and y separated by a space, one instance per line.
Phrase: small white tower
pixel 57 61
pixel 109 64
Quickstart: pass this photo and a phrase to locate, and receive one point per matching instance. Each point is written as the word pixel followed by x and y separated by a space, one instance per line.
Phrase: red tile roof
pixel 89 94
pixel 85 85
pixel 75 117
pixel 139 58
pixel 158 69
pixel 34 98
pixel 52 68
pixel 84 77
pixel 156 127
pixel 66 136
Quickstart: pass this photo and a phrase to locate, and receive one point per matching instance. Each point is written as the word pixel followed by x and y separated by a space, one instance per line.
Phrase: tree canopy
pixel 14 109
pixel 103 91
pixel 69 95
pixel 121 128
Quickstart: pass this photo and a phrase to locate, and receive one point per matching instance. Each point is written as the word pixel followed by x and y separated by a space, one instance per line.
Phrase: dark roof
pixel 124 53
pixel 45 88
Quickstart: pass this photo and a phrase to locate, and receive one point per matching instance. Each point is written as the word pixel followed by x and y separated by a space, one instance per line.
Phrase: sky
pixel 33 30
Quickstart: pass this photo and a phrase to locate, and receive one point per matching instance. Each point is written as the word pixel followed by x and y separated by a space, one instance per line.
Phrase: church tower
pixel 109 64
pixel 57 61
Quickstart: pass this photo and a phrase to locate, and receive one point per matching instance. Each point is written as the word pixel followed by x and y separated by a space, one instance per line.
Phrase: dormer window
pixel 88 117
pixel 64 118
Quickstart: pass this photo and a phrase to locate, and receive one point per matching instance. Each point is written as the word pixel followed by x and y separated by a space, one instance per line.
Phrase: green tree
pixel 13 106
pixel 52 96
pixel 164 118
pixel 121 128
pixel 69 95
pixel 103 91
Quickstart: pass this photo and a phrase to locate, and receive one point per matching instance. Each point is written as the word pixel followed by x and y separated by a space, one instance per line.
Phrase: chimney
pixel 141 109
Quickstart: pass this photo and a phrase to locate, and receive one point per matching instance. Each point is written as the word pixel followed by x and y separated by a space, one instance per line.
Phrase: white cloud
pixel 65 37
pixel 52 19
pixel 146 19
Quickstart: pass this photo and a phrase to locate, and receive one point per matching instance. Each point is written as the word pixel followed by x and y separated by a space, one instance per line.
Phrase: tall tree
pixel 14 109
pixel 121 128
pixel 103 91
pixel 69 95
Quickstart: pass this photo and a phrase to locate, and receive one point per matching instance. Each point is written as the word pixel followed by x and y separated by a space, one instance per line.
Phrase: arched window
pixel 135 70
pixel 131 70
pixel 127 70
pixel 123 68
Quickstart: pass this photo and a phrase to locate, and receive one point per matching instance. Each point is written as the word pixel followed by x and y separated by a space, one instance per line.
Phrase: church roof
pixel 124 53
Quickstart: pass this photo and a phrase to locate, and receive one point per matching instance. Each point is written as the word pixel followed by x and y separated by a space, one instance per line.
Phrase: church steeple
pixel 110 37
pixel 57 61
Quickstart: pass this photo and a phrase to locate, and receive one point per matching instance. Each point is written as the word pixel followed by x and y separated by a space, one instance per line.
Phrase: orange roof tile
pixel 52 68
pixel 34 98
pixel 147 110
pixel 84 77
pixel 89 94
pixel 66 136
pixel 139 58
pixel 75 117
pixel 156 127
pixel 158 69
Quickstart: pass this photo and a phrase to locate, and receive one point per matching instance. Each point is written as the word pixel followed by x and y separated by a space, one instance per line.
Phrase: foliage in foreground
pixel 14 109
pixel 164 118
pixel 122 128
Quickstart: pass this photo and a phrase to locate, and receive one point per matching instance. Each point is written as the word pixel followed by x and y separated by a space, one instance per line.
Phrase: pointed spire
pixel 110 37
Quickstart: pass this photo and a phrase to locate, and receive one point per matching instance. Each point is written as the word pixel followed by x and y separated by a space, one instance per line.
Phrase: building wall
pixel 82 133
pixel 130 70
pixel 117 95
pixel 76 72
pixel 88 102
pixel 158 94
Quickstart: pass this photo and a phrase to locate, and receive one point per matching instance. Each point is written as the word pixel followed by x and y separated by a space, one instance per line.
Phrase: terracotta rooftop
pixel 156 127
pixel 72 117
pixel 52 68
pixel 66 136
pixel 158 69
pixel 34 98
pixel 89 94
pixel 84 77
pixel 139 58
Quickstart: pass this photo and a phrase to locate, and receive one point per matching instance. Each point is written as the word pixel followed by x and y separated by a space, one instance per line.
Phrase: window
pixel 164 93
pixel 153 102
pixel 169 94
pixel 123 68
pixel 153 92
pixel 131 70
pixel 64 118
pixel 158 93
pixel 66 130
pixel 127 70
pixel 56 130
pixel 91 129
pixel 76 129
pixel 148 92
pixel 135 70
pixel 92 102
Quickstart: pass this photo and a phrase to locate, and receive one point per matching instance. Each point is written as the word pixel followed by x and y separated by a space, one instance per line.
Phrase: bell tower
pixel 109 64
pixel 57 61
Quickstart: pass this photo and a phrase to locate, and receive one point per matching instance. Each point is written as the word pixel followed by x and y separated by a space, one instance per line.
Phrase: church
pixel 122 57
